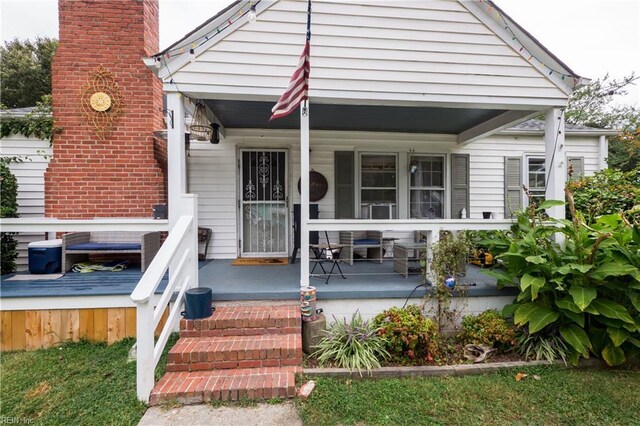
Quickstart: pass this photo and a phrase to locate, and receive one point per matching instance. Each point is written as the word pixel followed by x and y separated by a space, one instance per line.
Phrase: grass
pixel 77 383
pixel 561 396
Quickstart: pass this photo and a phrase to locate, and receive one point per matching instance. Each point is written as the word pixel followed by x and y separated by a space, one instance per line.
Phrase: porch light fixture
pixel 413 167
pixel 200 129
pixel 252 13
pixel 215 135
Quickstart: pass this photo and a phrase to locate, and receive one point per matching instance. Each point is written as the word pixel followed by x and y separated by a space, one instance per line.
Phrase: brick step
pixel 207 353
pixel 245 321
pixel 225 385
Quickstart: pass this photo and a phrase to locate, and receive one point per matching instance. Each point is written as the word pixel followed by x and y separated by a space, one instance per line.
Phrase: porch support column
pixel 304 194
pixel 603 152
pixel 555 160
pixel 176 165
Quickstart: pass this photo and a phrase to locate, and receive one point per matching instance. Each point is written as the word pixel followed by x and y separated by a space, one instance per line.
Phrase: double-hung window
pixel 378 186
pixel 536 178
pixel 427 186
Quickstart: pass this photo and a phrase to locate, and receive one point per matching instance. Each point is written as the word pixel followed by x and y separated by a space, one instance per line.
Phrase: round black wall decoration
pixel 317 186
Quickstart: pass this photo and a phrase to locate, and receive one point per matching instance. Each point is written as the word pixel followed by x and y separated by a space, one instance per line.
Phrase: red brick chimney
pixel 116 175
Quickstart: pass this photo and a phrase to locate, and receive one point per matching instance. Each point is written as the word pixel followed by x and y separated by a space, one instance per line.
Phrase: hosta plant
pixel 355 345
pixel 577 281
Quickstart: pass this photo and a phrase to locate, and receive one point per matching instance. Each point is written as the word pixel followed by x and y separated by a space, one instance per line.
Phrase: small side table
pixel 401 258
pixel 388 245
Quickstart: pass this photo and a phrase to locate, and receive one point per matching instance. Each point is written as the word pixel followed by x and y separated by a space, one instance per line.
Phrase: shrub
pixel 541 346
pixel 488 328
pixel 353 345
pixel 608 191
pixel 8 208
pixel 585 292
pixel 409 334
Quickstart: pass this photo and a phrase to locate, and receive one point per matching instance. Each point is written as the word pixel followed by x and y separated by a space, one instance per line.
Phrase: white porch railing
pixel 81 225
pixel 178 255
pixel 429 225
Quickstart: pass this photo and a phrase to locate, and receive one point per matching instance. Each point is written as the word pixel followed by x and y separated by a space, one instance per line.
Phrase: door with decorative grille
pixel 263 203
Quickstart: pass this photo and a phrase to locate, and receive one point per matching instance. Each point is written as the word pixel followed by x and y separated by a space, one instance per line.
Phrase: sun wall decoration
pixel 101 101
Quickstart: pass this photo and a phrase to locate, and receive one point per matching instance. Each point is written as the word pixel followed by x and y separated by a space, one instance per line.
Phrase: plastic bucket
pixel 197 303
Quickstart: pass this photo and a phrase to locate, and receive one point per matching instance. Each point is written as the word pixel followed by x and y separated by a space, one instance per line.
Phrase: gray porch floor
pixel 364 280
pixel 272 282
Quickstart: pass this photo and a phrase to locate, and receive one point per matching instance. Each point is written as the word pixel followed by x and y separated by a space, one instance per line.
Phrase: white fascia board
pixel 342 97
pixel 177 62
pixel 528 44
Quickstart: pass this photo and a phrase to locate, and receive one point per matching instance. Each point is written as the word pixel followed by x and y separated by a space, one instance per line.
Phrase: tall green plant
pixel 8 208
pixel 587 290
pixel 449 260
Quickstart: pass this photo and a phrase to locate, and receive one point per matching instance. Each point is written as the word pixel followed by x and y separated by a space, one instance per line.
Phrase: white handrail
pixel 39 224
pixel 178 255
pixel 155 272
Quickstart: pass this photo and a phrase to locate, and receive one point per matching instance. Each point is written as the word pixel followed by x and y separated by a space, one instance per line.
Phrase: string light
pixel 192 55
pixel 524 50
pixel 244 10
pixel 252 13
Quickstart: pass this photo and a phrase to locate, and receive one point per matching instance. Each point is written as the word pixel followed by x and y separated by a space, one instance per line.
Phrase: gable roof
pixel 229 20
pixel 452 66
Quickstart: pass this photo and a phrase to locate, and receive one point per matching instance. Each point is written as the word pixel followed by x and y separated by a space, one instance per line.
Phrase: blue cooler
pixel 45 257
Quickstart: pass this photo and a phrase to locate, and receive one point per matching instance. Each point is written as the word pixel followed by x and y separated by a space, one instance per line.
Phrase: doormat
pixel 260 261
pixel 34 277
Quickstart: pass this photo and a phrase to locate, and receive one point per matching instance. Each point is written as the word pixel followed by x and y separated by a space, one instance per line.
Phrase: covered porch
pixel 383 98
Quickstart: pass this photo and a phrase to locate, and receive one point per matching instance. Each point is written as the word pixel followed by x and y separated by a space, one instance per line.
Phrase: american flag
pixel 298 89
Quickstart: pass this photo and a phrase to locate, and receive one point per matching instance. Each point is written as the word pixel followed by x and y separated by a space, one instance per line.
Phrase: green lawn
pixel 78 383
pixel 561 396
pixel 84 383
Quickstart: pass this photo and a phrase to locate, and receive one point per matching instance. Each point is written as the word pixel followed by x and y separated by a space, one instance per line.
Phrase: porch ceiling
pixel 255 115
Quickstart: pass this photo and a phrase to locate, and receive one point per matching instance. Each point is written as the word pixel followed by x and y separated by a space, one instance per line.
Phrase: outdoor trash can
pixel 197 303
pixel 45 257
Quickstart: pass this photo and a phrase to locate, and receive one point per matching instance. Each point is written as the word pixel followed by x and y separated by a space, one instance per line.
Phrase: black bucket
pixel 197 303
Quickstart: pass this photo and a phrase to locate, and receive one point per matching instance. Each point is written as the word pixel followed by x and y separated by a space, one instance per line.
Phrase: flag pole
pixel 304 168
pixel 304 194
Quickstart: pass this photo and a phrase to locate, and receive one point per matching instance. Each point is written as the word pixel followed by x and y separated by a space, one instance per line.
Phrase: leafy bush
pixel 608 191
pixel 587 291
pixel 488 328
pixel 353 345
pixel 8 208
pixel 409 334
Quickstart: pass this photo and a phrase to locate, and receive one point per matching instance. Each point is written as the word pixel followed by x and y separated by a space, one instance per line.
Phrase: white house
pixel 408 106
pixel 417 120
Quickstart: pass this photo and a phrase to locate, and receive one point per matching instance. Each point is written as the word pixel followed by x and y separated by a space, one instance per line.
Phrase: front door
pixel 263 203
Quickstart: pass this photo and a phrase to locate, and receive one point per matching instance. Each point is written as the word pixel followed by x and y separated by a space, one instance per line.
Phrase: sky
pixel 593 37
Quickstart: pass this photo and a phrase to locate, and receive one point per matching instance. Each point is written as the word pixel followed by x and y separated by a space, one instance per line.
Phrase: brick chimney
pixel 118 175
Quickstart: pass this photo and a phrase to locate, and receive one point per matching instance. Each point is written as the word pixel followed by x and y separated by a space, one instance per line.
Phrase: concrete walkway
pixel 261 414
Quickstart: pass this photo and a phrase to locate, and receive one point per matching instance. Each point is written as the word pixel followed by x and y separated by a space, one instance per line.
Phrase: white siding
pixel 29 173
pixel 213 169
pixel 431 51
